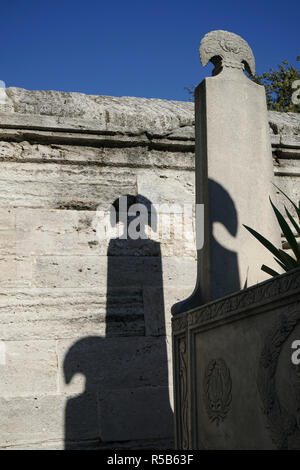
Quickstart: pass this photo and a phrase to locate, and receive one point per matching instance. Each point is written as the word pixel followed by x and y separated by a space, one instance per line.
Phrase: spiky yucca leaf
pixel 287 232
pixel 281 264
pixel 285 261
pixel 280 254
pixel 293 221
pixel 268 270
pixel 297 208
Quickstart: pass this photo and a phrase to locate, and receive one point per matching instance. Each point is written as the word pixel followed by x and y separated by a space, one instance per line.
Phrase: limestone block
pixel 55 444
pixel 182 271
pixel 128 156
pixel 41 418
pixel 284 123
pixel 167 187
pixel 290 185
pixel 48 231
pixel 15 271
pixel 157 324
pixel 126 113
pixel 30 368
pixel 92 271
pixel 174 294
pixel 155 321
pixel 8 242
pixel 94 444
pixel 56 186
pixel 135 413
pixel 183 133
pixel 97 363
pixel 70 271
pixel 28 314
pixel 7 232
pixel 7 219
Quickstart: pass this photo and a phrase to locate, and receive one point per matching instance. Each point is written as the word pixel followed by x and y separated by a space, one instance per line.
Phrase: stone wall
pixel 86 322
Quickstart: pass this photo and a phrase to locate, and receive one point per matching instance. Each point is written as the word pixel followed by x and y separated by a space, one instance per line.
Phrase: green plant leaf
pixel 268 270
pixel 287 232
pixel 281 255
pixel 283 266
pixel 292 202
pixel 290 262
pixel 297 226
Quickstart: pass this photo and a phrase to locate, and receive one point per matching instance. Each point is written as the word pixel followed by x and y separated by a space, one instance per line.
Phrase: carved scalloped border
pixel 232 304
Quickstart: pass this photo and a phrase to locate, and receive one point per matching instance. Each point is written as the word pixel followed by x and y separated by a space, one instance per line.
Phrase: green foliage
pixel 278 84
pixel 285 261
pixel 279 87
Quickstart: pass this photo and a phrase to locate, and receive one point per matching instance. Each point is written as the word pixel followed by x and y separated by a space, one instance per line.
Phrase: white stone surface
pixel 234 153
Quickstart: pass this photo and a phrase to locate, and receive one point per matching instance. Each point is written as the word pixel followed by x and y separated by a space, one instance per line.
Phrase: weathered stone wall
pixel 86 322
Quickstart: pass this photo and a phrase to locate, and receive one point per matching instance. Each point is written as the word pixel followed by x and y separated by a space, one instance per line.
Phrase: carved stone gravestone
pixel 234 171
pixel 236 385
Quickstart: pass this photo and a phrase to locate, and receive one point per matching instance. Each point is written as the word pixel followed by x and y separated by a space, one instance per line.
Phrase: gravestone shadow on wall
pixel 223 265
pixel 126 398
pixel 224 262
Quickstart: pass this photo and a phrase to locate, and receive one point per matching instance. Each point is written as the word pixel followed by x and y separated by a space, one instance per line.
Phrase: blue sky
pixel 134 48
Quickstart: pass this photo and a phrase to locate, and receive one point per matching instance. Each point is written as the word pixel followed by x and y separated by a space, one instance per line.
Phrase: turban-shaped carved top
pixel 226 49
